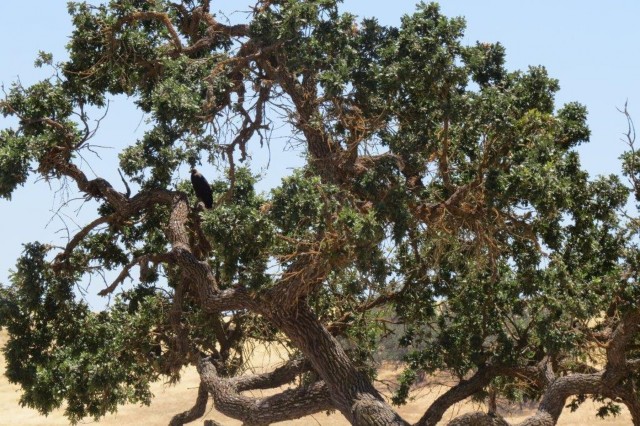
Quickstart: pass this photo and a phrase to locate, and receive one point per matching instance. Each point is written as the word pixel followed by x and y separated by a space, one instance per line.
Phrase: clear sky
pixel 591 46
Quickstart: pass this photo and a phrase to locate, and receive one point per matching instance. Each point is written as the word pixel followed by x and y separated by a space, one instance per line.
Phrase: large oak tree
pixel 442 211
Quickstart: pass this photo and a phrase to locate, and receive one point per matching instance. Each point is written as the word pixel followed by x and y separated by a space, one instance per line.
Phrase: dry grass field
pixel 170 400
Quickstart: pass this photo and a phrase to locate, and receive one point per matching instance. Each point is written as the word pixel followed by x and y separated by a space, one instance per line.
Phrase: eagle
pixel 202 188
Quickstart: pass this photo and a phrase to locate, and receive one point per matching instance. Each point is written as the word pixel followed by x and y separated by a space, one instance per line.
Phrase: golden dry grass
pixel 170 400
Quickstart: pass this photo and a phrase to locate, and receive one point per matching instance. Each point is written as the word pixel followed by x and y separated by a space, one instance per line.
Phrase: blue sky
pixel 590 46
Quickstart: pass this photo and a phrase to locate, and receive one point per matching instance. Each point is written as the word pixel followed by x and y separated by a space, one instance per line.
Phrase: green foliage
pixel 230 226
pixel 37 108
pixel 14 162
pixel 91 362
pixel 301 205
pixel 443 194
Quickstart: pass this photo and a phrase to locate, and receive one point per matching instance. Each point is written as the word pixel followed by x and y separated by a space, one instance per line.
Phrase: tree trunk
pixel 458 393
pixel 351 390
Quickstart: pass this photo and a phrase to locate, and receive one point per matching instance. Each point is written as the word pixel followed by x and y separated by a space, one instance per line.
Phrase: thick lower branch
pixel 556 395
pixel 461 391
pixel 196 411
pixel 478 419
pixel 552 403
pixel 287 405
pixel 278 377
pixel 556 389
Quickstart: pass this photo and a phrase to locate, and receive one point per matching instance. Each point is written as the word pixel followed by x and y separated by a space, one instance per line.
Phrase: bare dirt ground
pixel 170 400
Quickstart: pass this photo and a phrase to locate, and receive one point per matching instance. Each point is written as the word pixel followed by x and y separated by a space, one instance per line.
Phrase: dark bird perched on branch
pixel 202 188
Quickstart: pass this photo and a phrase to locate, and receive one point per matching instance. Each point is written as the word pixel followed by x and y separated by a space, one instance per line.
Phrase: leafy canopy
pixel 441 192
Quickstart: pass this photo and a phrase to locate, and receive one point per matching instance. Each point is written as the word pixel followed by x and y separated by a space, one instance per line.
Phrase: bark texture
pixel 287 405
pixel 341 386
pixel 196 411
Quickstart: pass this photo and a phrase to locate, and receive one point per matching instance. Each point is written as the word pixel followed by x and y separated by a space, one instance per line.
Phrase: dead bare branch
pixel 142 261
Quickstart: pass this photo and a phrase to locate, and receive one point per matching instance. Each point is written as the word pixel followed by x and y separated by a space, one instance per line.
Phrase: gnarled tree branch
pixel 278 377
pixel 196 411
pixel 606 382
pixel 461 391
pixel 287 405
